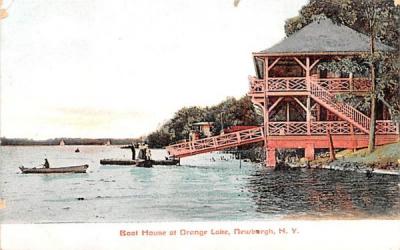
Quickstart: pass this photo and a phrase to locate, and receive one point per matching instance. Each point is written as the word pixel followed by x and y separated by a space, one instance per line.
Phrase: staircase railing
pixel 346 111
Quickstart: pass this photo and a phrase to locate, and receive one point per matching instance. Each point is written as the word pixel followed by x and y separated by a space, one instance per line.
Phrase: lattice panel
pixel 287 84
pixel 287 128
pixel 335 127
pixel 297 84
pixel 256 85
pixel 276 84
pixel 277 128
pixel 386 127
pixel 345 84
pixel 336 84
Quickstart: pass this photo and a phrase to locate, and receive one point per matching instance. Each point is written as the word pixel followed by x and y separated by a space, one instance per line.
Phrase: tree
pixel 378 19
pixel 375 17
pixel 231 111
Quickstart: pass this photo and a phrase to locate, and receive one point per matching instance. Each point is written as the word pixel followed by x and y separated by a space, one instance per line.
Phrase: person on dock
pixel 132 148
pixel 148 154
pixel 46 163
pixel 144 152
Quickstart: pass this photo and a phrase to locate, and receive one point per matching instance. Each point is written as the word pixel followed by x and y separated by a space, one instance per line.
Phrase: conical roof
pixel 324 36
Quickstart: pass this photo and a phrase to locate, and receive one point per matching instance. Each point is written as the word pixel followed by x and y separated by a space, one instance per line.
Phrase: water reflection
pixel 324 193
pixel 63 176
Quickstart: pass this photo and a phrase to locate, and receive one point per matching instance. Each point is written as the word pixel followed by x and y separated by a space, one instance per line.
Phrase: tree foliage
pixel 227 113
pixel 379 20
pixel 356 14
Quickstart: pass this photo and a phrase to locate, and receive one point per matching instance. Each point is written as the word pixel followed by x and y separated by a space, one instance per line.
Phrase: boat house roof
pixel 324 37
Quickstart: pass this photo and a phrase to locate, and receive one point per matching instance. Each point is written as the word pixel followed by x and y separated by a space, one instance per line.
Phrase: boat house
pixel 299 100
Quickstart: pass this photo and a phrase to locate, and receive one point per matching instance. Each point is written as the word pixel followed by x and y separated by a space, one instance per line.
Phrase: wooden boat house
pixel 298 99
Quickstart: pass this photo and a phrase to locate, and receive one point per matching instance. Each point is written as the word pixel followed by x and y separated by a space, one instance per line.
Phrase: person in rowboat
pixel 46 163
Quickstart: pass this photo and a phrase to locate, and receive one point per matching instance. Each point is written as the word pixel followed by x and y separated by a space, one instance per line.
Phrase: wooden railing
pixel 256 85
pixel 278 84
pixel 386 127
pixel 248 136
pixel 287 128
pixel 345 111
pixel 344 84
pixel 216 142
pixel 336 85
pixel 334 127
pixel 287 84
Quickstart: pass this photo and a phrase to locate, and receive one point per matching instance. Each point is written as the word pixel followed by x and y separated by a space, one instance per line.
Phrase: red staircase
pixel 216 143
pixel 344 111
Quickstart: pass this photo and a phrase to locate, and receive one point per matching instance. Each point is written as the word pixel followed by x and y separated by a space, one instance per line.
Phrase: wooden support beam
pixel 314 63
pixel 310 152
pixel 287 112
pixel 266 100
pixel 275 103
pixel 271 157
pixel 332 156
pixel 273 64
pixel 308 74
pixel 314 106
pixel 300 103
pixel 299 62
pixel 308 117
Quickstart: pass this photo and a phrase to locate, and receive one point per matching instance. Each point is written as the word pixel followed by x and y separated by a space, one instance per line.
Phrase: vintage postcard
pixel 214 124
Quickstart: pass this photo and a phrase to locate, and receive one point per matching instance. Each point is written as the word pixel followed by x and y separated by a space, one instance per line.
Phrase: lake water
pixel 204 188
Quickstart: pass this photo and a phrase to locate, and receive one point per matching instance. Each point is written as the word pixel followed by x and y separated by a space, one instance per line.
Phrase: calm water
pixel 200 189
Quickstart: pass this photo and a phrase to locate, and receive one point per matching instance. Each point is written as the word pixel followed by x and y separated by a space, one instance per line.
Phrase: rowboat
pixel 72 169
pixel 126 162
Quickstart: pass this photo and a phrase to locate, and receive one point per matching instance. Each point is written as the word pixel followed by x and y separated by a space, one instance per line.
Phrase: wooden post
pixel 266 111
pixel 271 157
pixel 308 79
pixel 351 82
pixel 310 152
pixel 353 138
pixel 287 117
pixel 308 115
pixel 287 111
pixel 332 156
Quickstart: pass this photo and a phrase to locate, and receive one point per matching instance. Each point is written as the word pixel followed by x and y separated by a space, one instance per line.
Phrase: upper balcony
pixel 298 85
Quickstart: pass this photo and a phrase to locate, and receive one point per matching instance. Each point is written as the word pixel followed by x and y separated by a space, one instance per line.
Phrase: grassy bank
pixel 383 155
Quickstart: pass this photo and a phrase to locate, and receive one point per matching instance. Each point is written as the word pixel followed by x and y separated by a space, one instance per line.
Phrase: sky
pixel 121 68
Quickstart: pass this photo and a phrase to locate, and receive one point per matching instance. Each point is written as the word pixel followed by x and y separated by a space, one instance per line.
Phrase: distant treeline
pixel 66 141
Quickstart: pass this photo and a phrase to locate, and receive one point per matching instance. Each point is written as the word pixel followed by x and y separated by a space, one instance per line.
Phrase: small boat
pixel 125 162
pixel 72 169
pixel 166 162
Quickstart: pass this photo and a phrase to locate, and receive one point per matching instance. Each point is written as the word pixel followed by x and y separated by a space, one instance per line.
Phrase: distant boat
pixel 72 169
pixel 126 162
pixel 77 150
